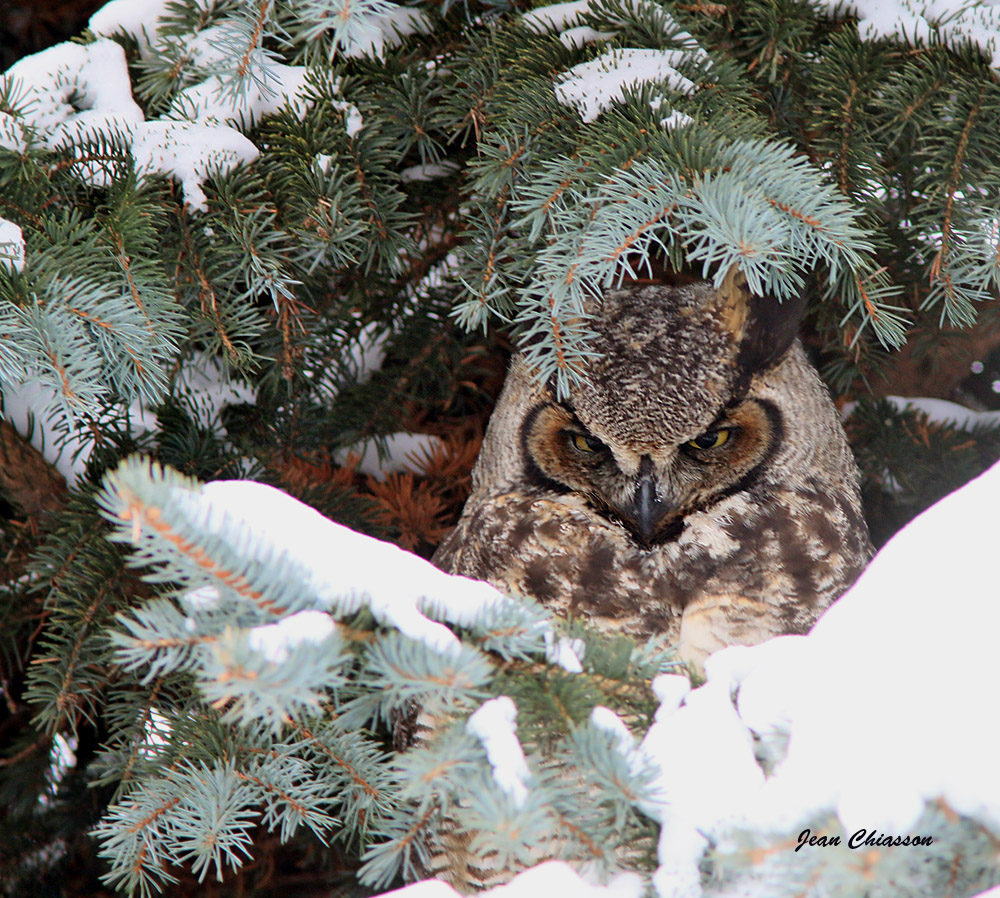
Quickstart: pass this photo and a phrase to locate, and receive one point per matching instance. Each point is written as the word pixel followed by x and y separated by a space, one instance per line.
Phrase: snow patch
pixel 212 389
pixel 380 31
pixel 156 736
pixel 574 38
pixel 607 720
pixel 390 454
pixel 923 20
pixel 570 20
pixel 346 570
pixel 557 16
pixel 276 642
pixel 139 19
pixel 191 152
pixel 211 102
pixel 12 136
pixel 547 879
pixel 62 759
pixel 70 91
pixel 945 412
pixel 592 87
pixel 428 172
pixel 495 725
pixel 29 408
pixel 564 652
pixel 11 246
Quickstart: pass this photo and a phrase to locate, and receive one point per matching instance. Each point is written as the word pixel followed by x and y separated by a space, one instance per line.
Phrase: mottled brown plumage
pixel 698 484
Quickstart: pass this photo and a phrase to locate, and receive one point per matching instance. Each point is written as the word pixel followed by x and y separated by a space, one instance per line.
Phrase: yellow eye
pixel 711 439
pixel 584 443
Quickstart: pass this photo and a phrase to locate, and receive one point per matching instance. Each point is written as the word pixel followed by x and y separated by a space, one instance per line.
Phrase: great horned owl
pixel 697 483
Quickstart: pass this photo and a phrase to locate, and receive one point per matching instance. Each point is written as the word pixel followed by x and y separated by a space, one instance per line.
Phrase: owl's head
pixel 667 421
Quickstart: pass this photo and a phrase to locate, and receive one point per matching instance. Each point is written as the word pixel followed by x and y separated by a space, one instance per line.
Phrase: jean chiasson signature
pixel 863 838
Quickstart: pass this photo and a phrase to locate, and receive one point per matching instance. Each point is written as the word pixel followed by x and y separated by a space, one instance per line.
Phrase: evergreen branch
pixel 70 696
pixel 146 718
pixel 353 773
pixel 140 515
pixel 939 272
pixel 290 804
pixel 210 306
pixel 126 265
pixel 846 118
pixel 384 861
pixel 264 9
pixel 160 512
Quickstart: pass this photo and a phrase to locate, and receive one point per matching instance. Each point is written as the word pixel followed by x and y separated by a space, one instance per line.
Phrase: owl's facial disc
pixel 650 490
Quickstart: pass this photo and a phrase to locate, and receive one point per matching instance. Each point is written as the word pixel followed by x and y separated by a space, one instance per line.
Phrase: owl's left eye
pixel 710 439
pixel 584 443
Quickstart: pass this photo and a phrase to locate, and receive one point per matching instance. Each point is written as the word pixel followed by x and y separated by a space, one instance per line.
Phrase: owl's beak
pixel 647 510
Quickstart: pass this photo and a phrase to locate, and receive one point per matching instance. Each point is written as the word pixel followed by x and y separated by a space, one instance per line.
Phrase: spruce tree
pixel 291 243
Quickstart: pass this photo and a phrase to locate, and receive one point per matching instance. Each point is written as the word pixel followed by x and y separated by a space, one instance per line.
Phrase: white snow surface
pixel 557 16
pixel 592 87
pixel 569 19
pixel 277 641
pixel 28 406
pixel 62 759
pixel 211 387
pixel 345 569
pixel 138 19
pixel 12 136
pixel 581 35
pixel 11 245
pixel 73 91
pixel 94 77
pixel 190 152
pixel 209 101
pixel 552 879
pixel 495 725
pixel 156 735
pixel 565 652
pixel 379 31
pixel 429 171
pixel 952 20
pixel 886 704
pixel 945 412
pixel 607 720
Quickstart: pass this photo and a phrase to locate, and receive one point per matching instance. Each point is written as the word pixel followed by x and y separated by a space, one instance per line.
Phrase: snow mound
pixel 885 706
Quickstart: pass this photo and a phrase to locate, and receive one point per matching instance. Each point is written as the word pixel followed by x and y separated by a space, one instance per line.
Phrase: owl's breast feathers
pixel 742 572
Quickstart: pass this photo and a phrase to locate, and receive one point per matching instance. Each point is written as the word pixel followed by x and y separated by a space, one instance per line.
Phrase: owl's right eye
pixel 583 443
pixel 711 439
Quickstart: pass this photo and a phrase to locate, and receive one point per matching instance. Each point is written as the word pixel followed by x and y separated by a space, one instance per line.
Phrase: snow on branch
pixel 11 246
pixel 591 87
pixel 972 21
pixel 362 27
pixel 342 570
pixel 70 93
pixel 494 724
